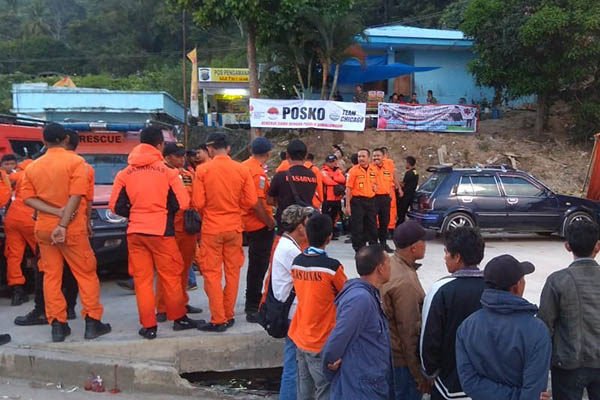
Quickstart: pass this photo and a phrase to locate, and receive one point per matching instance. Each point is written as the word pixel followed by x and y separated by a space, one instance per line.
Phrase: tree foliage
pixel 534 47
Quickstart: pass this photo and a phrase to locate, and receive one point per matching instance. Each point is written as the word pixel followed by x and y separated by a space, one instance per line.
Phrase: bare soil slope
pixel 551 158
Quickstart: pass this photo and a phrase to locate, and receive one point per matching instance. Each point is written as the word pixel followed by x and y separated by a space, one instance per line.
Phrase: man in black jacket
pixel 569 306
pixel 449 302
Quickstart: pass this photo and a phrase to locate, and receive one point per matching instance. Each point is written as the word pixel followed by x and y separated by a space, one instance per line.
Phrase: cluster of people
pixel 361 96
pixel 472 336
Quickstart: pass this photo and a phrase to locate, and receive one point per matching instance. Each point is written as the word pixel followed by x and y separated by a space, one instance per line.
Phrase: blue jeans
pixel 569 384
pixel 405 386
pixel 288 389
pixel 192 277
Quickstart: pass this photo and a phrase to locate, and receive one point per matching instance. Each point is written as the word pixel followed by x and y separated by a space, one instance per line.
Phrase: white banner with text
pixel 299 114
pixel 433 118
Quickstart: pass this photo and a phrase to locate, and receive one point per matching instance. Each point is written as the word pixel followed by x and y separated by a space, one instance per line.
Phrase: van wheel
pixel 576 216
pixel 457 220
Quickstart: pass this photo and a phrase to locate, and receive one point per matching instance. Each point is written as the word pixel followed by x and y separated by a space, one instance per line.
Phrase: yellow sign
pixel 223 74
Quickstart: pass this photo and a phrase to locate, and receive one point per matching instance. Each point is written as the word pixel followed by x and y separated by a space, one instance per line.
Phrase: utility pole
pixel 185 99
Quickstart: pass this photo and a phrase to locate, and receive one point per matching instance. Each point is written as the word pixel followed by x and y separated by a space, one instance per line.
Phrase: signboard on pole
pixel 206 74
pixel 434 118
pixel 299 114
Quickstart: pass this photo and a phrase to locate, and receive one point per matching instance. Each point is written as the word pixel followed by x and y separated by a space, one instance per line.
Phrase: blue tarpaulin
pixel 376 70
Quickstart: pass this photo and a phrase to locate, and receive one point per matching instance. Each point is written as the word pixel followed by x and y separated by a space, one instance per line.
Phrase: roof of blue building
pixel 412 36
pixel 38 98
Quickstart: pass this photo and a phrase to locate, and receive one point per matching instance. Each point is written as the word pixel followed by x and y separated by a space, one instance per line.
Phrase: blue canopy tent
pixel 376 69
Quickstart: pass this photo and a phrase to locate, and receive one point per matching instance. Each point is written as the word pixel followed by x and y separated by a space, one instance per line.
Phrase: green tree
pixel 534 47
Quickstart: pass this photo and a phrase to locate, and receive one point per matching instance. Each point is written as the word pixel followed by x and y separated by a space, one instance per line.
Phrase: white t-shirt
pixel 281 272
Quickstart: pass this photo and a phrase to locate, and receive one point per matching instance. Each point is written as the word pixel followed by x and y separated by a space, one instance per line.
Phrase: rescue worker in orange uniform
pixel 174 154
pixel 318 197
pixel 258 225
pixel 335 183
pixel 150 194
pixel 18 230
pixel 385 186
pixel 203 157
pixel 223 190
pixel 55 185
pixel 361 186
pixel 390 165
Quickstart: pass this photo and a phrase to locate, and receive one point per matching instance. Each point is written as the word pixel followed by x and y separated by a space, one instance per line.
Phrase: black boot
pixel 210 327
pixel 161 317
pixel 148 333
pixel 185 323
pixel 95 328
pixel 19 297
pixel 4 338
pixel 60 330
pixel 71 314
pixel 193 310
pixel 34 317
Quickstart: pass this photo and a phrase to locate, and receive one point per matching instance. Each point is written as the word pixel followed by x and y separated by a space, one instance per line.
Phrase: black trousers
pixel 333 209
pixel 403 204
pixel 569 384
pixel 383 204
pixel 364 225
pixel 260 243
pixel 69 287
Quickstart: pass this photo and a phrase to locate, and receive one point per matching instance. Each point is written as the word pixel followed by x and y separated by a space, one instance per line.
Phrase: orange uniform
pixel 185 242
pixel 362 181
pixel 223 188
pixel 383 199
pixel 18 228
pixel 53 178
pixel 389 164
pixel 149 193
pixel 5 188
pixel 261 181
pixel 283 166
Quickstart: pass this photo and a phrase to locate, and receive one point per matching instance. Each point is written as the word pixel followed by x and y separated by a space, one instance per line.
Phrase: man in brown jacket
pixel 402 302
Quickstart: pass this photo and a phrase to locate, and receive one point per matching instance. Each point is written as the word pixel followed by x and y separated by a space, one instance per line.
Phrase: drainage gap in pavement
pixel 259 382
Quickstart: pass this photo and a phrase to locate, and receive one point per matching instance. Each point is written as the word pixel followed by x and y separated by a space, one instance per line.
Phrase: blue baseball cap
pixel 261 145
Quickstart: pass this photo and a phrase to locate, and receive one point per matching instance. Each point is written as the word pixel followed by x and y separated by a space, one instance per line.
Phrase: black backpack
pixel 273 314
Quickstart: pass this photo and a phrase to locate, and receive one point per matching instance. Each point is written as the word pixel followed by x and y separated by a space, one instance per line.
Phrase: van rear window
pixel 106 166
pixel 25 148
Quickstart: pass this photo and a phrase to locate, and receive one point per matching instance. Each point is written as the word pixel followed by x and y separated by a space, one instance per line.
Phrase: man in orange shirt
pixel 174 154
pixel 54 185
pixel 383 198
pixel 334 182
pixel 258 225
pixel 360 203
pixel 150 194
pixel 317 280
pixel 18 229
pixel 389 164
pixel 223 189
pixel 318 197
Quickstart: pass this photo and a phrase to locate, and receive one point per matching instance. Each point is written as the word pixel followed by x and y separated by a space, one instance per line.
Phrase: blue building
pixel 60 104
pixel 448 50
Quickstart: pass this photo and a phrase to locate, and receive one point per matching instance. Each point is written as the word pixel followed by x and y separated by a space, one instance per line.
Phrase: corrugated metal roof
pixel 401 31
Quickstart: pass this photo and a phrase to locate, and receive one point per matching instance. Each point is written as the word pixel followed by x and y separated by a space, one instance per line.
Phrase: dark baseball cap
pixel 172 148
pixel 504 271
pixel 410 232
pixel 331 158
pixel 261 145
pixel 216 138
pixel 296 146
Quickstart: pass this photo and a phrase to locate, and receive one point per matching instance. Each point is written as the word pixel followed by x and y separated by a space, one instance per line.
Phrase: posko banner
pixel 298 114
pixel 434 118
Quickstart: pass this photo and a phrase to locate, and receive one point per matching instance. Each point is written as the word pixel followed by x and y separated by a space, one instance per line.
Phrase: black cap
pixel 331 158
pixel 173 148
pixel 296 146
pixel 409 233
pixel 216 138
pixel 505 271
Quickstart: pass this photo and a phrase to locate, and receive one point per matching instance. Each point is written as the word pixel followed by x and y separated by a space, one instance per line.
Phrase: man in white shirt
pixel 293 240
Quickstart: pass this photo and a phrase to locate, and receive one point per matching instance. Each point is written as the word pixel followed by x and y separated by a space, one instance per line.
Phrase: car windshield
pixel 106 166
pixel 433 182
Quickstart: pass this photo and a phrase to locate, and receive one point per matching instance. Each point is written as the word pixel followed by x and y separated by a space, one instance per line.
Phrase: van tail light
pixel 425 203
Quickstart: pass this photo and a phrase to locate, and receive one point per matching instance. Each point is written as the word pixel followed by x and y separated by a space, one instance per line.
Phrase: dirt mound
pixel 551 158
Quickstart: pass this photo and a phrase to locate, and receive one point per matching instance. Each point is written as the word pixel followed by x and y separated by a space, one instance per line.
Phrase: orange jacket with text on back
pixel 261 182
pixel 53 178
pixel 148 193
pixel 223 189
pixel 18 211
